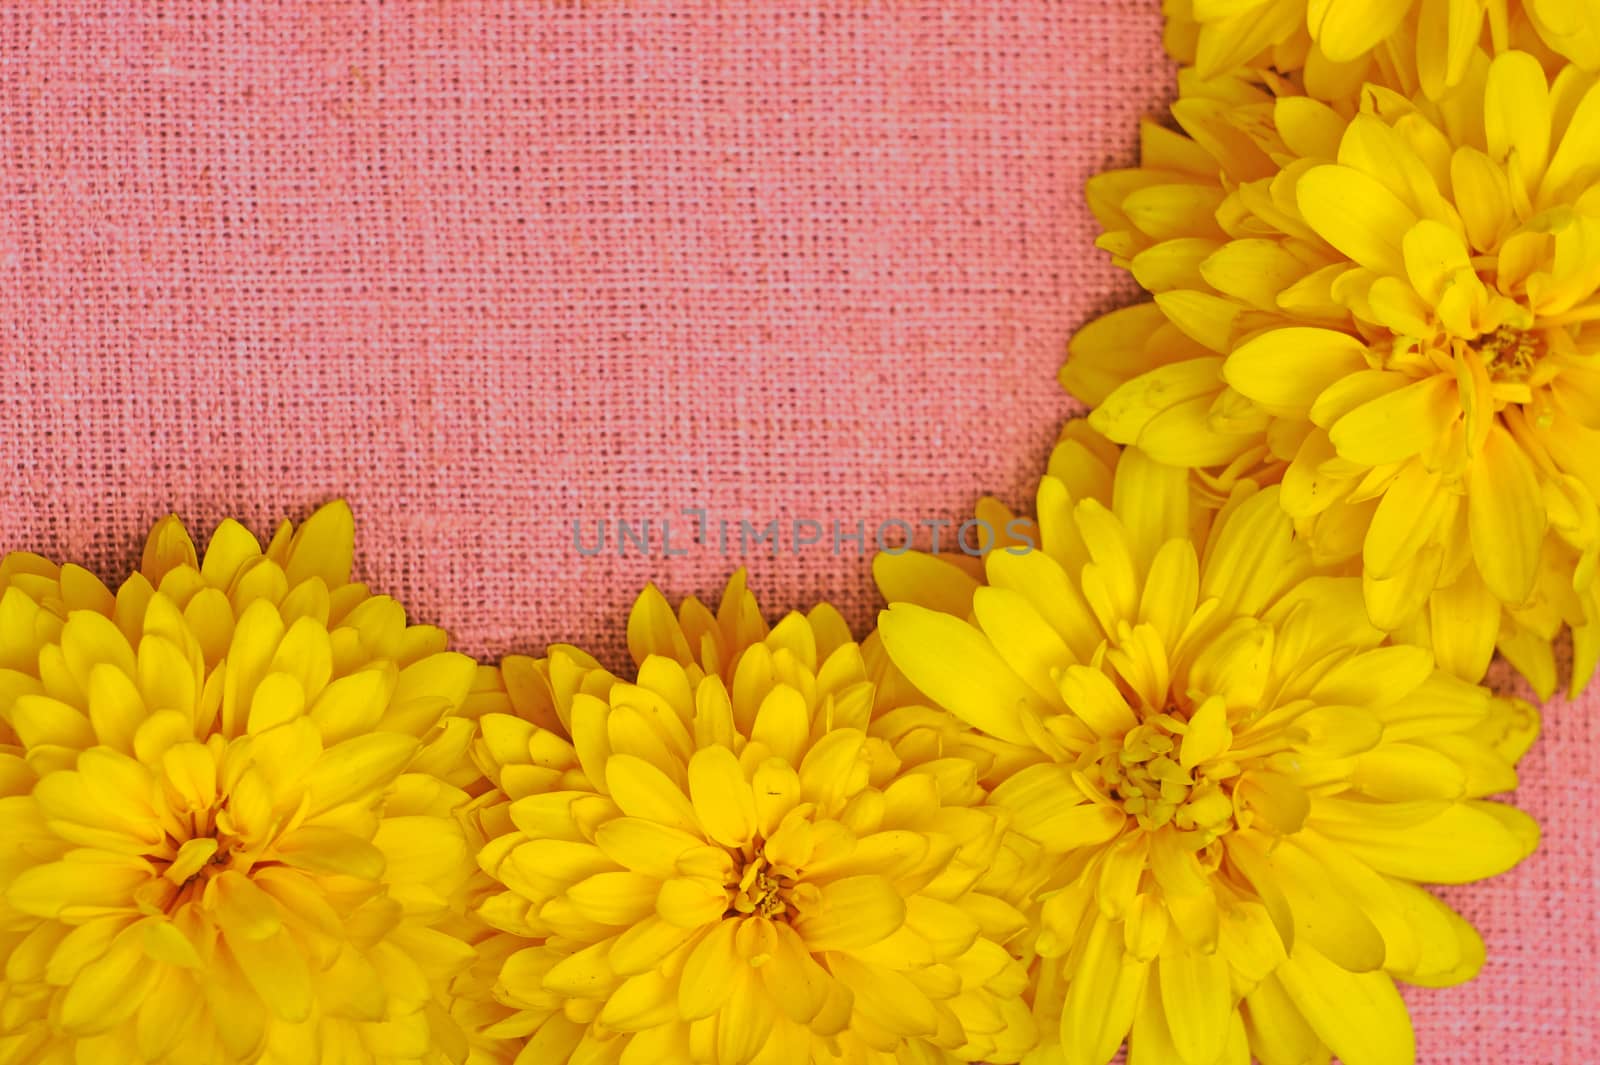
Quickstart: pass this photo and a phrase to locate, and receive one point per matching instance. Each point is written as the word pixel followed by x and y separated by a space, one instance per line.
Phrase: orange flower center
pixel 1510 354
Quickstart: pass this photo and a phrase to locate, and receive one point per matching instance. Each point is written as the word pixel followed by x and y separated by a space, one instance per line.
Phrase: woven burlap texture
pixel 487 269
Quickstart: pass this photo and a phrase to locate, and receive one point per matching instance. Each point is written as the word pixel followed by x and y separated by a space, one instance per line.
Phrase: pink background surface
pixel 484 270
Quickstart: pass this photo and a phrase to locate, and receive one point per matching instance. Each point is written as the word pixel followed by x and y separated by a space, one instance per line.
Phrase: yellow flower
pixel 1236 784
pixel 1402 307
pixel 1332 46
pixel 726 866
pixel 227 834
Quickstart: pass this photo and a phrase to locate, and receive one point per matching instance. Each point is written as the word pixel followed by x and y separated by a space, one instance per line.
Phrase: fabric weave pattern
pixel 485 269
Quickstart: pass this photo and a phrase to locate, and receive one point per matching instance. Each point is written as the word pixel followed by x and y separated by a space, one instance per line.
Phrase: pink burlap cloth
pixel 487 269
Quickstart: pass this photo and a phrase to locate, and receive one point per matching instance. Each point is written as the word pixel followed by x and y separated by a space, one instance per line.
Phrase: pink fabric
pixel 486 268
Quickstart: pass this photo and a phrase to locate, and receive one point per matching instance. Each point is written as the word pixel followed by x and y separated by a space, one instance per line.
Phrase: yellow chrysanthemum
pixel 1401 307
pixel 734 870
pixel 227 833
pixel 1331 46
pixel 1236 784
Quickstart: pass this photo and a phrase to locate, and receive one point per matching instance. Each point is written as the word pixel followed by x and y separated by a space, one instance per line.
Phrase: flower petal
pixel 1359 1016
pixel 959 669
pixel 853 912
pixel 1506 517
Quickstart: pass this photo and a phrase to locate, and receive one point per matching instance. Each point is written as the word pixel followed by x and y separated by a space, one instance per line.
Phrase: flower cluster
pixel 1235 780
pixel 1169 766
pixel 230 829
pixel 1391 305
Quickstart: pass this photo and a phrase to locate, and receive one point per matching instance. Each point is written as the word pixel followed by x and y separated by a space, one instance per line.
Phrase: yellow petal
pixel 276 970
pixel 1101 999
pixel 885 998
pixel 746 1025
pixel 1027 642
pixel 644 791
pixel 1326 913
pixel 40 721
pixel 1393 304
pixel 783 723
pixel 323 547
pixel 1171 263
pixel 776 787
pixel 1392 604
pixel 1402 772
pixel 164 942
pixel 646 944
pixel 1126 412
pixel 1573 168
pixel 166 548
pixel 653 629
pixel 1398 425
pixel 1359 1016
pixel 1208 734
pixel 1110 350
pixel 1464 842
pixel 1198 1001
pixel 1210 321
pixel 615 898
pixel 420 848
pixel 554 1040
pixel 1254 271
pixel 47 890
pixel 721 795
pixel 360 767
pixel 240 906
pixel 1450 950
pixel 230 547
pixel 1408 516
pixel 709 972
pixel 958 668
pixel 166 1015
pixel 1171 590
pixel 351 706
pixel 1464 621
pixel 1210 430
pixel 1516 114
pixel 1151 500
pixel 1357 214
pixel 1531 655
pixel 1287 369
pixel 642 1002
pixel 644 846
pixel 1348 29
pixel 924 579
pixel 1278 1031
pixel 1252 556
pixel 107 991
pixel 690 902
pixel 279 698
pixel 834 770
pixel 1091 695
pixel 1054 595
pixel 330 850
pixel 1506 516
pixel 584 974
pixel 1434 255
pixel 853 912
pixel 1482 196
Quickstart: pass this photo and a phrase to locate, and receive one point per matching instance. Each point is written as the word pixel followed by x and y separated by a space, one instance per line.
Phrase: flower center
pixel 764 891
pixel 1144 774
pixel 202 844
pixel 1509 354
